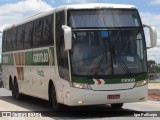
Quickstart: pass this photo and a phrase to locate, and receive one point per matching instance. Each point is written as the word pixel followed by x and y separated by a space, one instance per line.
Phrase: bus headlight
pixel 141 83
pixel 81 86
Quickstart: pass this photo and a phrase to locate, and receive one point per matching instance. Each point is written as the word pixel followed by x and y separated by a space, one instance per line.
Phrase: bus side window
pixel 14 38
pixel 28 39
pixel 8 46
pixel 4 42
pixel 63 61
pixel 48 31
pixel 20 38
pixel 140 45
pixel 38 32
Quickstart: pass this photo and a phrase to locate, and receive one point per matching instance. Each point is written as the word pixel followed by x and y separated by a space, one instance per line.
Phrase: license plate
pixel 113 96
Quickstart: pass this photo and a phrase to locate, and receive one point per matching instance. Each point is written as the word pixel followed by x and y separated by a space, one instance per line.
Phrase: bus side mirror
pixel 153 36
pixel 67 37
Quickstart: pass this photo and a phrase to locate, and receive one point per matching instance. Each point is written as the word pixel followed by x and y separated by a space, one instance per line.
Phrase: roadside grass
pixel 154 81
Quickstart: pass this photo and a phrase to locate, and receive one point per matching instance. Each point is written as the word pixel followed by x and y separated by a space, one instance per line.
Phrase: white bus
pixel 87 54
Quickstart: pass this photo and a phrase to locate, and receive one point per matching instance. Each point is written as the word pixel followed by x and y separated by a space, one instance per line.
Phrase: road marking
pixel 158 102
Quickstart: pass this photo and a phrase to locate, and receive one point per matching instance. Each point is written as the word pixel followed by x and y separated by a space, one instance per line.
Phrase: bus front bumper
pixel 79 97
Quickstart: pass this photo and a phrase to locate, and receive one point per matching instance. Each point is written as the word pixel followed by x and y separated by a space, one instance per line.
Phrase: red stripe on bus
pixel 51 59
pixel 19 73
pixel 16 58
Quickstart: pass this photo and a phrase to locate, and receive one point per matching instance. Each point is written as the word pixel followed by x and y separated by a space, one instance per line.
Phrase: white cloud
pixel 11 13
pixel 80 1
pixel 24 6
pixel 150 18
pixel 155 2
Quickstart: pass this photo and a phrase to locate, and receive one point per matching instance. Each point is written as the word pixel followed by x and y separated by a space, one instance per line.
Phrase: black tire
pixel 10 83
pixel 16 93
pixel 117 105
pixel 55 105
pixel 13 91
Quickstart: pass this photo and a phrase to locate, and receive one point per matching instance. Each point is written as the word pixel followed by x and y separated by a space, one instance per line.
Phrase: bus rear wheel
pixel 117 105
pixel 55 105
pixel 11 87
pixel 15 91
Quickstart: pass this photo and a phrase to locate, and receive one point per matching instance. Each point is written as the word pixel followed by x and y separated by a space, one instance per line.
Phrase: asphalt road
pixel 103 112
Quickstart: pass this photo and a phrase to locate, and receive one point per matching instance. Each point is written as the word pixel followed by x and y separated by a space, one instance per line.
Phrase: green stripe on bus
pixel 12 60
pixel 7 59
pixel 19 59
pixel 44 57
pixel 111 80
pixel 82 80
pixel 28 58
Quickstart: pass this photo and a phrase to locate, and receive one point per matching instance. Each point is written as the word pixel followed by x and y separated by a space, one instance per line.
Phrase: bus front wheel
pixel 55 105
pixel 117 105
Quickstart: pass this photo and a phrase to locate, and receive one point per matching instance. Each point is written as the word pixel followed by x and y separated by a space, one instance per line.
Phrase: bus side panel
pixel 24 85
pixel 39 80
pixel 8 69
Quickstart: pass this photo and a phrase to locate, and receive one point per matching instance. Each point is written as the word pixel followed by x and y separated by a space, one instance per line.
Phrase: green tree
pixel 153 67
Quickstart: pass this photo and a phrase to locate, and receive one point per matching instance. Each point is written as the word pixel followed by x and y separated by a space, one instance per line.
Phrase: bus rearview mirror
pixel 67 37
pixel 153 36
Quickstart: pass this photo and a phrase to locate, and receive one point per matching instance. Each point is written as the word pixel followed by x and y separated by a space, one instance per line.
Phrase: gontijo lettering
pixel 41 57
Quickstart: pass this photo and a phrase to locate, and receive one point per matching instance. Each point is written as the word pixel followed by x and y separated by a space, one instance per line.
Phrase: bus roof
pixel 74 6
pixel 95 6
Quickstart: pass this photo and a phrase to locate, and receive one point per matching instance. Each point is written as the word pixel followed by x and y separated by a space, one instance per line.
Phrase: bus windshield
pixel 107 42
pixel 104 18
pixel 108 52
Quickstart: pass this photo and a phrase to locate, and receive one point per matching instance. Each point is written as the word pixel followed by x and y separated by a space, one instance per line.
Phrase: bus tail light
pixel 141 83
pixel 81 85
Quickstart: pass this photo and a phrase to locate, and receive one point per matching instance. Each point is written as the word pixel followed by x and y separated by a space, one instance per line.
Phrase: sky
pixel 12 11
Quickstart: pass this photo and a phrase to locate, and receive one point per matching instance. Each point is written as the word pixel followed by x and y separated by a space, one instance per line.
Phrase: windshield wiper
pixel 122 63
pixel 97 69
pixel 104 56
